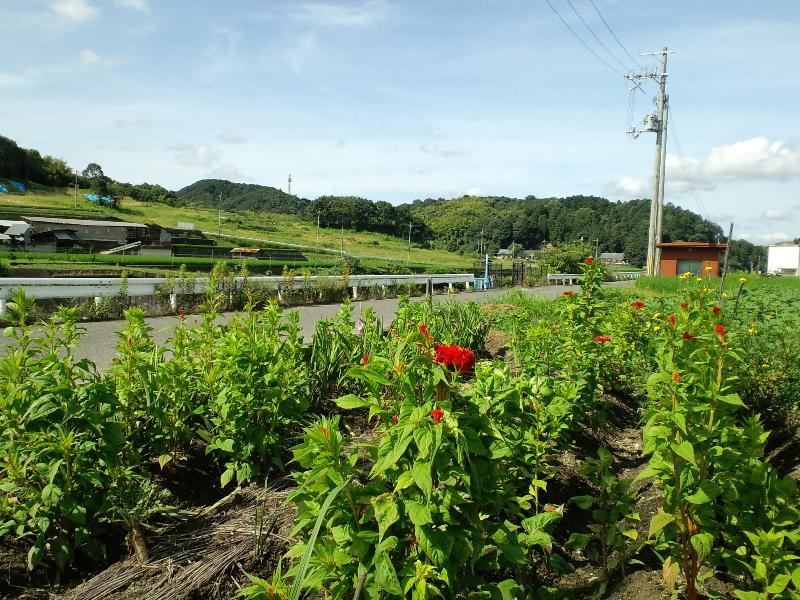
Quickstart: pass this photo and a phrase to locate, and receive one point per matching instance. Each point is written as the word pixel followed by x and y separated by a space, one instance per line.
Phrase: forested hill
pixel 531 222
pixel 241 197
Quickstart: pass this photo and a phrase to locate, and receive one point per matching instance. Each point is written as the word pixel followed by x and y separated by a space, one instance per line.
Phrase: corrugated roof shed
pixel 83 222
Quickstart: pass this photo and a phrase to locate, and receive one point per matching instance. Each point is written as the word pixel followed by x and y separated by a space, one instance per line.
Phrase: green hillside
pixel 240 197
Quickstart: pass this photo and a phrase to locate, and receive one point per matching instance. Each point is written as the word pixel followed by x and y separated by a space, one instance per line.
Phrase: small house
pixel 52 234
pixel 784 259
pixel 678 258
pixel 612 258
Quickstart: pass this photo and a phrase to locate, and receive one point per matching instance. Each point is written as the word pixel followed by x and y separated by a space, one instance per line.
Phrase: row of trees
pixel 26 164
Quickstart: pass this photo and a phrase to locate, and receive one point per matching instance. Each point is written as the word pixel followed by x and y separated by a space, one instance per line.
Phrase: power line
pixel 580 39
pixel 585 24
pixel 614 35
pixel 686 175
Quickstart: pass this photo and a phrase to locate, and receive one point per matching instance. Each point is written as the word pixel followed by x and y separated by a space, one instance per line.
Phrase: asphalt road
pixel 98 344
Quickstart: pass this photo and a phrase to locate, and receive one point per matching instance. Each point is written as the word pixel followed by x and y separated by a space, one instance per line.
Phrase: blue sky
pixel 399 99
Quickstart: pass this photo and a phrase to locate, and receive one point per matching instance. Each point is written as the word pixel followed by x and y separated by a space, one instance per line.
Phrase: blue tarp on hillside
pixel 3 189
pixel 17 184
pixel 103 200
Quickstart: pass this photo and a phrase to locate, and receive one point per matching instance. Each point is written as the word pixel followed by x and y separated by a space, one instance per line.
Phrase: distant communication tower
pixel 290 184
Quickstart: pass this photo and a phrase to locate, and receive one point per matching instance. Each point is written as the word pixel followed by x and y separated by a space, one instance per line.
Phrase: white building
pixel 784 259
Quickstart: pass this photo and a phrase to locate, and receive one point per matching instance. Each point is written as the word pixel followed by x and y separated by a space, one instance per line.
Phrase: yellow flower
pixel 699 279
pixel 768 317
pixel 709 268
pixel 752 330
pixel 765 365
pixel 658 314
pixel 657 328
pixel 724 294
pixel 686 275
pixel 742 279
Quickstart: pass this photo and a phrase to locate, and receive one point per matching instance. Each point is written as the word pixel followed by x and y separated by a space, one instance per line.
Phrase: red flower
pixel 671 320
pixel 684 305
pixel 589 260
pixel 566 293
pixel 688 336
pixel 436 415
pixel 720 329
pixel 423 329
pixel 181 314
pixel 365 359
pixel 602 339
pixel 462 359
pixel 716 310
pixel 637 305
pixel 676 378
pixel 394 419
pixel 325 431
pixel 362 510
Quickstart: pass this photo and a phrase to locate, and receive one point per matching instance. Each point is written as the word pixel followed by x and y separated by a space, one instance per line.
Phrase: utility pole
pixel 596 244
pixel 289 188
pixel 408 256
pixel 654 123
pixel 661 182
pixel 219 217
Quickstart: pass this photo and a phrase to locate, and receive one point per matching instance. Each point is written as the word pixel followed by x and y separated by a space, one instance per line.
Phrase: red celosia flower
pixel 589 260
pixel 637 305
pixel 602 339
pixel 671 320
pixel 716 310
pixel 325 431
pixel 423 329
pixel 181 314
pixel 688 336
pixel 365 359
pixel 720 329
pixel 462 359
pixel 684 305
pixel 676 378
pixel 436 415
pixel 394 419
pixel 566 293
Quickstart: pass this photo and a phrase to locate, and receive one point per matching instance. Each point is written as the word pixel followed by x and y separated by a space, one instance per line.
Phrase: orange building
pixel 678 258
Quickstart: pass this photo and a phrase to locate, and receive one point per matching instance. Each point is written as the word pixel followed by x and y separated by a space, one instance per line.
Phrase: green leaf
pixel 404 481
pixel 423 439
pixel 702 544
pixel 51 495
pixel 421 472
pixel 351 401
pixel 418 513
pixel 685 450
pixel 578 540
pixel 706 493
pixel 778 584
pixel 35 555
pixel 732 399
pixel 659 521
pixel 385 574
pixel 387 512
pixel 583 502
pixel 436 544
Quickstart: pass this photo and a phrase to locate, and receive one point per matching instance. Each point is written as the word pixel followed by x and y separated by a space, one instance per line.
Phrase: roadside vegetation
pixel 523 449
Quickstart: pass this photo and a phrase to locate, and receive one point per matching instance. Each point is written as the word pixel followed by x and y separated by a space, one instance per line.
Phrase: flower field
pixel 529 449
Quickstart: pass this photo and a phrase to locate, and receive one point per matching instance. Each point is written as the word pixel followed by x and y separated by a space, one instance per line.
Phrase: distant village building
pixel 784 259
pixel 52 235
pixel 690 257
pixel 613 258
pixel 504 253
pixel 14 233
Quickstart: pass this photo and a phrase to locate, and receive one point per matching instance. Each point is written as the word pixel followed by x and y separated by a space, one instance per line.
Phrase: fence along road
pixel 99 342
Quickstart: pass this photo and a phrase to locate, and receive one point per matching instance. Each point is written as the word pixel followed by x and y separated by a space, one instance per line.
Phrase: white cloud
pixel 140 5
pixel 472 191
pixel 228 137
pixel 773 214
pixel 766 238
pixel 196 155
pixel 628 187
pixel 749 160
pixel 229 172
pixel 328 14
pixel 74 10
pixel 91 58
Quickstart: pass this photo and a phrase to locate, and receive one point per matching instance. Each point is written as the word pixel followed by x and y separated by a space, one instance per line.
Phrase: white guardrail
pixel 99 287
pixel 573 278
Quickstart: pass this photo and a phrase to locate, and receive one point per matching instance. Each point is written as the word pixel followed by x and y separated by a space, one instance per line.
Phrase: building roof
pixel 705 245
pixel 17 229
pixel 504 251
pixel 245 251
pixel 83 222
pixel 612 255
